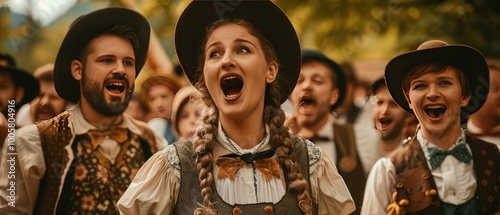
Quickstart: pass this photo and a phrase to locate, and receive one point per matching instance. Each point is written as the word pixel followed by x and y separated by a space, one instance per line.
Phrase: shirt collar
pixel 424 143
pixel 231 146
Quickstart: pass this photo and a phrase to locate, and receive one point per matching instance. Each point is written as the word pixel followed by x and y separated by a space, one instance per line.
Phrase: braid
pixel 281 141
pixel 202 146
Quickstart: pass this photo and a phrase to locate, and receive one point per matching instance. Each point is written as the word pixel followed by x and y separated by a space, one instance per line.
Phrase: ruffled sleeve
pixel 155 188
pixel 328 187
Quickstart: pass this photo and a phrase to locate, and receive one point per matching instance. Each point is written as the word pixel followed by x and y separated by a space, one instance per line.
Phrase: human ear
pixel 76 69
pixel 272 72
pixel 335 97
pixel 19 94
pixel 465 100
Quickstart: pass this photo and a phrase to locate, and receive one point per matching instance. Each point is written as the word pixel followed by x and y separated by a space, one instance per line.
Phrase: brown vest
pixel 55 136
pixel 414 177
pixel 190 193
pixel 355 180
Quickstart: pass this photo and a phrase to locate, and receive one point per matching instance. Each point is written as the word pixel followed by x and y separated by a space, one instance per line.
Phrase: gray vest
pixel 190 192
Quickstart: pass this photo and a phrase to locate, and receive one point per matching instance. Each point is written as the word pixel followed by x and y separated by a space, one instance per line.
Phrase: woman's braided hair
pixel 274 116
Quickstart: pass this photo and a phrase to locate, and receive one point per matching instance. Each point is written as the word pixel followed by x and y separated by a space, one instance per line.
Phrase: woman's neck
pixel 247 133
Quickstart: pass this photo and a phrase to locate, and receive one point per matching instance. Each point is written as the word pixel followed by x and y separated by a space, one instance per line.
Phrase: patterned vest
pixel 414 177
pixel 88 186
pixel 190 193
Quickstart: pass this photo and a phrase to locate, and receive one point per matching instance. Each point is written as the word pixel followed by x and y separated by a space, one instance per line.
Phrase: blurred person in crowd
pixel 187 112
pixel 485 123
pixel 17 87
pixel 48 103
pixel 81 161
pixel 159 91
pixel 443 170
pixel 138 108
pixel 390 119
pixel 320 89
pixel 242 160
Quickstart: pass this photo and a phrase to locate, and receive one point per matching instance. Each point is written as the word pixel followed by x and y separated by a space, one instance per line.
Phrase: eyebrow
pixel 237 40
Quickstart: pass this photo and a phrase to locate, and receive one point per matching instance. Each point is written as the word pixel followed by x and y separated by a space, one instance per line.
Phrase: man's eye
pixel 444 83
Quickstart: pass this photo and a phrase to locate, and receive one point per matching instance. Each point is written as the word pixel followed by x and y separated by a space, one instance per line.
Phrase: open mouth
pixel 385 120
pixel 435 111
pixel 307 102
pixel 231 85
pixel 116 86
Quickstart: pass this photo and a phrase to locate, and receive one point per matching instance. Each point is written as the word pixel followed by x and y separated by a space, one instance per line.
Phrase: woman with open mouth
pixel 443 169
pixel 244 58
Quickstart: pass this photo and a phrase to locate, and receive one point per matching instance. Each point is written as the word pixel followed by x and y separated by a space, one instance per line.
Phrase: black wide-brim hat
pixel 465 58
pixel 315 55
pixel 21 78
pixel 264 15
pixel 82 31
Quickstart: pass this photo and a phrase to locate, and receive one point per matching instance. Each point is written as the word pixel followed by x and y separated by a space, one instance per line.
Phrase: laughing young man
pixel 82 160
pixel 438 83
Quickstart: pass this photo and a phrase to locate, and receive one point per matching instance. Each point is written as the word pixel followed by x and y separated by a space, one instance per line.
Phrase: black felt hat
pixel 84 29
pixel 264 15
pixel 315 55
pixel 465 58
pixel 20 77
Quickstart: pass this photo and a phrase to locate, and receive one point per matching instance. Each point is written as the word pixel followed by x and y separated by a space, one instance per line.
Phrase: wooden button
pixel 268 210
pixel 236 211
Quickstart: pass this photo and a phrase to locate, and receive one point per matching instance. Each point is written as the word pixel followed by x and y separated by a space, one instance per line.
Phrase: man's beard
pixel 95 96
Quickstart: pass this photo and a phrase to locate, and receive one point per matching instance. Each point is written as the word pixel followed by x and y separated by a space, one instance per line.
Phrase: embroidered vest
pixel 190 192
pixel 355 179
pixel 75 176
pixel 414 177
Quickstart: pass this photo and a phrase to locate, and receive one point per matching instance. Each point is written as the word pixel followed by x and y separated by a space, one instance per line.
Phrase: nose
pixel 433 93
pixel 44 100
pixel 120 68
pixel 227 62
pixel 383 108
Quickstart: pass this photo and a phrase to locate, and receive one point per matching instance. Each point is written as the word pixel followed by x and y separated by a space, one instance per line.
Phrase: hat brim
pixel 84 29
pixel 264 15
pixel 465 58
pixel 310 55
pixel 26 80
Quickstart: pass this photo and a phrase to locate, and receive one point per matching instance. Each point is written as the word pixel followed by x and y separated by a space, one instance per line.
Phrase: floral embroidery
pixel 313 152
pixel 173 159
pixel 96 186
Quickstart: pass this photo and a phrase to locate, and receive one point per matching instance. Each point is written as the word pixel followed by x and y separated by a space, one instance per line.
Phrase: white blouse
pixel 156 186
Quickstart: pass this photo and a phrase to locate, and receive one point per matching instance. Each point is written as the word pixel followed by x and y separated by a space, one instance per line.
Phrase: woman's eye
pixel 214 54
pixel 418 86
pixel 243 50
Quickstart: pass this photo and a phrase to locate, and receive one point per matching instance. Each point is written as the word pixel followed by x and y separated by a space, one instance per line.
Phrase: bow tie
pixel 460 152
pixel 230 164
pixel 120 135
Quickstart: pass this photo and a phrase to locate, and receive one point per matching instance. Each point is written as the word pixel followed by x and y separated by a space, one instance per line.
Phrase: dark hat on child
pixel 20 77
pixel 315 55
pixel 465 58
pixel 264 15
pixel 84 29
